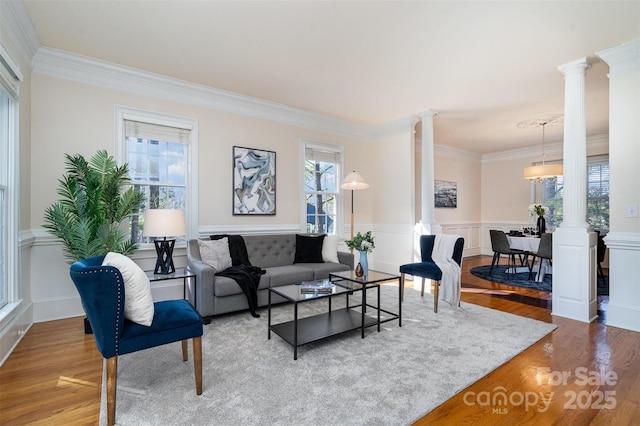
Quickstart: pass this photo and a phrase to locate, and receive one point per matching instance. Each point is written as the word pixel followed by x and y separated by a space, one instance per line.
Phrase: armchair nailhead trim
pixel 119 287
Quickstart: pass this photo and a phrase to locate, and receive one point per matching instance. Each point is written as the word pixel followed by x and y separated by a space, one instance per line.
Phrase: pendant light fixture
pixel 542 171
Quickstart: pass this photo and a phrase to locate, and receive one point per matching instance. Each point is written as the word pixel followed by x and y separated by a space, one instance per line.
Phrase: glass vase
pixel 363 263
pixel 542 225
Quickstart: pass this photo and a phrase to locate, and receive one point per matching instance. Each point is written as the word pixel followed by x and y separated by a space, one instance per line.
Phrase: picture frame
pixel 446 194
pixel 254 181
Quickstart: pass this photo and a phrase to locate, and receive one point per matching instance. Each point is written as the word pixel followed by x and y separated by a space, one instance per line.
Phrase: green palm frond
pixel 94 201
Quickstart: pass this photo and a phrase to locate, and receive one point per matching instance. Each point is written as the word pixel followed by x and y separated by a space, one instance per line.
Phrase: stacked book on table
pixel 316 286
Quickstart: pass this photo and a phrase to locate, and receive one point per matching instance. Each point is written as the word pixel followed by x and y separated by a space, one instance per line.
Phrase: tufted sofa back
pixel 271 250
pixel 263 250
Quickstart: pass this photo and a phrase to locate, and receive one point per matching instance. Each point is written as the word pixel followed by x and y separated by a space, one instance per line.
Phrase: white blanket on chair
pixel 442 255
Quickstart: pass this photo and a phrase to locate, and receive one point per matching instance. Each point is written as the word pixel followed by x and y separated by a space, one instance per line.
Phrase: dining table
pixel 530 244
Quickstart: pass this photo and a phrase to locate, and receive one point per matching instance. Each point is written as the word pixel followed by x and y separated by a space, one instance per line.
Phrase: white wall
pixel 72 117
pixel 394 205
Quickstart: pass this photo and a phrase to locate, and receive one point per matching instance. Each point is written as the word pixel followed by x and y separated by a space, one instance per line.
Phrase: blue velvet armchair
pixel 102 293
pixel 427 268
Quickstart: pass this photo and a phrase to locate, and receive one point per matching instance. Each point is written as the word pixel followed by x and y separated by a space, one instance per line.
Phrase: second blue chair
pixel 427 268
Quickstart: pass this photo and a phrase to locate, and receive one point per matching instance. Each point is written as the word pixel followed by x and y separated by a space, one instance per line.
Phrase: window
pixel 158 150
pixel 322 165
pixel 597 195
pixel 10 77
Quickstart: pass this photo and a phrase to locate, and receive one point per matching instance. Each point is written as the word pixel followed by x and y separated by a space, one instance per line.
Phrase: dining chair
pixel 427 268
pixel 500 245
pixel 102 292
pixel 545 251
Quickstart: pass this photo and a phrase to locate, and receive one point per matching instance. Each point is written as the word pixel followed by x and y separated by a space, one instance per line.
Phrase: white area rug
pixel 389 378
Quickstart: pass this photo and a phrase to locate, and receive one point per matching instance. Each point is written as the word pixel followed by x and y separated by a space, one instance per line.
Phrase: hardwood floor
pixel 54 375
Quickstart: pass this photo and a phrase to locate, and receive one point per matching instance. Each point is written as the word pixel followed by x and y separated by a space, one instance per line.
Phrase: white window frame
pixel 338 149
pixel 10 78
pixel 537 186
pixel 125 113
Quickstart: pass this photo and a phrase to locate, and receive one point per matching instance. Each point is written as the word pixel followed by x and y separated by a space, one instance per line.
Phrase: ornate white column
pixel 428 221
pixel 574 243
pixel 574 205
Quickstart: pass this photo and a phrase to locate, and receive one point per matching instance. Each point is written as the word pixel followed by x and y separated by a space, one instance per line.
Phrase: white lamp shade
pixel 543 171
pixel 354 181
pixel 163 223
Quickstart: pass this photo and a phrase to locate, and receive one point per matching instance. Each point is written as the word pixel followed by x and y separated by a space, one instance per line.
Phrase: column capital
pixel 579 65
pixel 427 113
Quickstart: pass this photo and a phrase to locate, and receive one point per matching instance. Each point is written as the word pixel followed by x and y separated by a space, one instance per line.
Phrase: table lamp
pixel 163 223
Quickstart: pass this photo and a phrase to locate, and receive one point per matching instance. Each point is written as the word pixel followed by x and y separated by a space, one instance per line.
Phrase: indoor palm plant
pixel 95 198
pixel 94 201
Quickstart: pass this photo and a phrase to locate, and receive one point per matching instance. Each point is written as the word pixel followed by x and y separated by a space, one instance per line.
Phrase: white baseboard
pixel 12 333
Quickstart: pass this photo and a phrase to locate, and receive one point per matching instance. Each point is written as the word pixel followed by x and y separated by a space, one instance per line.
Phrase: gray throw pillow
pixel 215 253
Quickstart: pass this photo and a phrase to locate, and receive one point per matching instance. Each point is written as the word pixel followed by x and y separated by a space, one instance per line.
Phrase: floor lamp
pixel 353 181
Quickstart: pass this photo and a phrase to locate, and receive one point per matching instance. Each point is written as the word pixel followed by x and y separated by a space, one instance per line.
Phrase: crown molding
pixel 623 58
pixel 81 69
pixel 445 151
pixel 550 149
pixel 15 20
pixel 404 125
pixel 554 149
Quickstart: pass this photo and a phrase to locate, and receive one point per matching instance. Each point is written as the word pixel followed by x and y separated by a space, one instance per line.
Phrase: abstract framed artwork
pixel 254 181
pixel 446 194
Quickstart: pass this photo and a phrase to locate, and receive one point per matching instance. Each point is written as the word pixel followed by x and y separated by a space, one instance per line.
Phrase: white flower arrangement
pixel 538 210
pixel 362 242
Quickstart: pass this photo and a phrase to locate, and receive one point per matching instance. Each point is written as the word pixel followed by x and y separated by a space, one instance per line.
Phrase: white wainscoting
pixel 54 296
pixel 16 317
pixel 52 292
pixel 397 244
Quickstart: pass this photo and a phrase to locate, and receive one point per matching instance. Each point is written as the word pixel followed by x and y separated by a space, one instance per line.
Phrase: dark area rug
pixel 521 279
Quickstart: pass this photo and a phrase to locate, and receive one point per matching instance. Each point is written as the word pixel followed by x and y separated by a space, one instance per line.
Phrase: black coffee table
pixel 301 331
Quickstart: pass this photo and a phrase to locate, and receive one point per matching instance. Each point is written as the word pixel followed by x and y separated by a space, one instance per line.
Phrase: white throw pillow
pixel 330 249
pixel 215 253
pixel 138 302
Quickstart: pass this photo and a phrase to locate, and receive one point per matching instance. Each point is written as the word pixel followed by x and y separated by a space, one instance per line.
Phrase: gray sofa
pixel 274 253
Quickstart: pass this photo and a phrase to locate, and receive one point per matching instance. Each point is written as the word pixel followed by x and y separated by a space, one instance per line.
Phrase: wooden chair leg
pixel 422 291
pixel 197 363
pixel 185 350
pixel 112 381
pixel 436 290
pixel 402 287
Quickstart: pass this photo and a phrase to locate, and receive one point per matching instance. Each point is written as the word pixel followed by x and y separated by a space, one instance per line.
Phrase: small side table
pixel 183 273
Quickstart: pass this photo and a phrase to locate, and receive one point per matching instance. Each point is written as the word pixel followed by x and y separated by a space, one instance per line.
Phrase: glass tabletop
pixel 293 293
pixel 373 277
pixel 183 272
